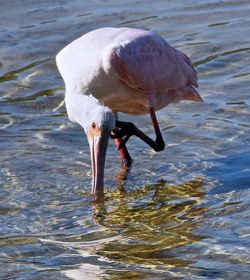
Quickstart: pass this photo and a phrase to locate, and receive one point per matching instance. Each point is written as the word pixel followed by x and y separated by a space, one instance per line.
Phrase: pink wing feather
pixel 150 64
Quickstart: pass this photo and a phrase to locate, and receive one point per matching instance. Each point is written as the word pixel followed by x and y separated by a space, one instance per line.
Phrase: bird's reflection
pixel 121 177
pixel 151 221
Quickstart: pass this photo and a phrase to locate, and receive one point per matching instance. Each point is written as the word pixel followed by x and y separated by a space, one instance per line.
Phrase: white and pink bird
pixel 111 70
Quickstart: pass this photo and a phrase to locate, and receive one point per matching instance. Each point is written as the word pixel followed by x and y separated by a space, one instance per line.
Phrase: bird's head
pixel 98 125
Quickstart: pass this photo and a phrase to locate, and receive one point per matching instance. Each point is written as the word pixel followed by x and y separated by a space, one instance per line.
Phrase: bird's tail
pixel 187 92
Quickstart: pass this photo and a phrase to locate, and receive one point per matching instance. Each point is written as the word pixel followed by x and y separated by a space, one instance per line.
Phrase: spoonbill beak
pixel 98 143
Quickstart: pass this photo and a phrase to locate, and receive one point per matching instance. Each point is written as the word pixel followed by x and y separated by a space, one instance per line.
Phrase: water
pixel 182 213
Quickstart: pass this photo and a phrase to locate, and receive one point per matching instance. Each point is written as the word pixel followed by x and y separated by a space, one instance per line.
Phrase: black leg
pixel 128 129
pixel 123 151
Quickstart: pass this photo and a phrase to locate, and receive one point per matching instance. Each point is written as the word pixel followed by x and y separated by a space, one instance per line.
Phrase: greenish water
pixel 179 214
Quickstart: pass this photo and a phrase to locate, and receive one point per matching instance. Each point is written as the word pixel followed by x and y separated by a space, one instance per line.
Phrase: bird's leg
pixel 128 129
pixel 123 151
pixel 159 139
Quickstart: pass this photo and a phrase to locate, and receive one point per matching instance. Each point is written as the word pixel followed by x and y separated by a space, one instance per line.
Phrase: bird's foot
pixel 128 129
pixel 122 129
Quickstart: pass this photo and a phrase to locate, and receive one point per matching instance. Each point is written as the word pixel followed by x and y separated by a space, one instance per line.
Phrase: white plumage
pixel 112 70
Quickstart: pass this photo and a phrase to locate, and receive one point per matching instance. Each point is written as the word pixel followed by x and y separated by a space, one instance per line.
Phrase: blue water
pixel 179 214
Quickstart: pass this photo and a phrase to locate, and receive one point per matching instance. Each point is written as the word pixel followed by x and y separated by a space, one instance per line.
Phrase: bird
pixel 111 70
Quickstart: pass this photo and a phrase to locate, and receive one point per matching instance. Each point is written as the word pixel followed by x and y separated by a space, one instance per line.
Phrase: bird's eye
pixel 93 125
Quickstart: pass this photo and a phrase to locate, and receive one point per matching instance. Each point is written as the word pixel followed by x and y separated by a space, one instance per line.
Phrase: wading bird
pixel 111 70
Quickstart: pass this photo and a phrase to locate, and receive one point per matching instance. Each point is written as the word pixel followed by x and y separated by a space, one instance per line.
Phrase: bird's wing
pixel 150 64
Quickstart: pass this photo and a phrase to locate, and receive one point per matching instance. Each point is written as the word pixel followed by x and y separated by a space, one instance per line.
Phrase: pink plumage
pixel 111 70
pixel 150 64
pixel 147 63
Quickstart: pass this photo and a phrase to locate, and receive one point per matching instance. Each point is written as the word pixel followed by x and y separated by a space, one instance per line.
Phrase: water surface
pixel 182 213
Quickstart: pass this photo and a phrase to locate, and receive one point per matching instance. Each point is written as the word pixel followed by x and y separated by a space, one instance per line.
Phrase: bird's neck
pixel 79 105
pixel 81 108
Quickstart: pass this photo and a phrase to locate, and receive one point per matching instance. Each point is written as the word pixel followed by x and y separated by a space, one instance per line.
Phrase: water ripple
pixel 178 214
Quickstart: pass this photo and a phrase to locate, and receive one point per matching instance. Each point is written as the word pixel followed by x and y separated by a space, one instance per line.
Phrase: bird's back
pixel 135 66
pixel 82 59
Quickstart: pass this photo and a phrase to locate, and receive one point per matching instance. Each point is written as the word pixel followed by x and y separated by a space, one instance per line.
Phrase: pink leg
pixel 124 154
pixel 159 138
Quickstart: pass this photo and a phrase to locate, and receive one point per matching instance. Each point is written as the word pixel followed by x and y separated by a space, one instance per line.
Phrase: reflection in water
pixel 142 227
pixel 151 221
pixel 121 177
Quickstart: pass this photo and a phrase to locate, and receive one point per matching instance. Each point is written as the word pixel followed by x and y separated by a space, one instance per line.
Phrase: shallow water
pixel 182 213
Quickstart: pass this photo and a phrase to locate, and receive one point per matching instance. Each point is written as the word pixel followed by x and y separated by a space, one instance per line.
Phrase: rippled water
pixel 182 213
